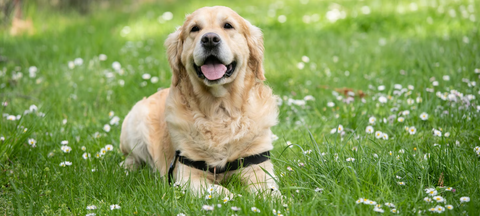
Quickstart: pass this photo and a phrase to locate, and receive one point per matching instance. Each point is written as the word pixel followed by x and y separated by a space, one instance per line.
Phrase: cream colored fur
pixel 215 123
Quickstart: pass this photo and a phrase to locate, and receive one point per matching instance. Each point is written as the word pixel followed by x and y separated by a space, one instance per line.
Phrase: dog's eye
pixel 195 29
pixel 227 26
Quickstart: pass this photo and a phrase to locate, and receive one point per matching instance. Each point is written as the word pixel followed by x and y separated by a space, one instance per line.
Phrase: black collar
pixel 230 166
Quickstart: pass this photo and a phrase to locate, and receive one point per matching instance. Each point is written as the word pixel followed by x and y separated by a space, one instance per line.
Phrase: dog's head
pixel 215 47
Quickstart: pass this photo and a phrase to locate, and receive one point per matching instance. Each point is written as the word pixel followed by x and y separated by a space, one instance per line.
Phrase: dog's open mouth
pixel 213 69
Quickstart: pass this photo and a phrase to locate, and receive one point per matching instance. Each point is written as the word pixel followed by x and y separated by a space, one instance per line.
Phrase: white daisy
pixel 424 116
pixel 449 207
pixel 401 183
pixel 66 149
pixel 65 163
pixel 439 209
pixel 109 147
pixel 64 142
pixel 340 128
pixel 369 129
pixel 86 155
pixel 382 99
pixel 208 207
pixel 378 134
pixel 412 130
pixel 464 199
pixel 31 141
pixel 234 208
pixel 350 159
pixel 372 120
pixel 115 206
pixel 106 128
pixel 255 209
pixel 431 191
pixel 330 104
pixel 91 207
pixel 438 199
pixel 401 119
pixel 376 209
pixel 385 136
pixel 437 133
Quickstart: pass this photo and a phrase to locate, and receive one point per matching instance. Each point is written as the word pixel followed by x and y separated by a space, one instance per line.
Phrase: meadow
pixel 379 109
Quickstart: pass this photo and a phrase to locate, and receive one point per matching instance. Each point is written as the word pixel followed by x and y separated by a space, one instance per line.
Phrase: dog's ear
pixel 255 45
pixel 174 46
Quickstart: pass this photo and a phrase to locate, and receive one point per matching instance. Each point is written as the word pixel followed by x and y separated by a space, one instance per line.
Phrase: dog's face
pixel 215 47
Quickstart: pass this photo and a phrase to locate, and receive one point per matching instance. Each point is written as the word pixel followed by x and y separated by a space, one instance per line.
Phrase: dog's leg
pixel 258 180
pixel 200 183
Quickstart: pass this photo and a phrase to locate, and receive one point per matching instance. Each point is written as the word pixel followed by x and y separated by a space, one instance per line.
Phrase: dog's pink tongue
pixel 213 70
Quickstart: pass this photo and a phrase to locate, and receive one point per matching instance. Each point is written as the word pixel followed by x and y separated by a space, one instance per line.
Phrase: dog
pixel 215 119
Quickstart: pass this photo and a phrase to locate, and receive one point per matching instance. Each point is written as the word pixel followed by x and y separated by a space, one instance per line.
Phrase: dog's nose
pixel 210 39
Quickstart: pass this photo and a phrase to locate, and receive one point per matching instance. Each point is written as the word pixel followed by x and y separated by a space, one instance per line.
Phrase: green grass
pixel 392 45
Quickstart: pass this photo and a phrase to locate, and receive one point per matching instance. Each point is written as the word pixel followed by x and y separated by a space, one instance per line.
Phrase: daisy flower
pixel 350 159
pixel 289 168
pixel 449 207
pixel 66 149
pixel 334 130
pixel 226 199
pixel 359 201
pixel 369 129
pixel 401 151
pixel 385 136
pixel 439 209
pixel 438 199
pixel 427 199
pixel 390 205
pixel 369 202
pixel 211 189
pixel 424 116
pixel 464 199
pixel 410 101
pixel 84 148
pixel 401 119
pixel 340 128
pixel 412 130
pixel 330 104
pixel 64 142
pixel 115 120
pixel 401 183
pixel 86 155
pixel 2 138
pixel 378 134
pixel 372 120
pixel 234 208
pixel 208 197
pixel 103 151
pixel 431 191
pixel 32 142
pixel 394 211
pixel 65 163
pixel 114 206
pixel 90 214
pixel 91 207
pixel 447 134
pixel 449 189
pixel 382 99
pixel 319 190
pixel 376 209
pixel 109 147
pixel 106 128
pixel 255 209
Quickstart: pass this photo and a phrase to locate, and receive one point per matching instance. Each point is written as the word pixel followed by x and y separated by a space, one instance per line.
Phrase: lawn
pixel 380 106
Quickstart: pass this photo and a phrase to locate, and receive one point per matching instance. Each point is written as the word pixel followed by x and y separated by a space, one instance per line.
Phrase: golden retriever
pixel 217 109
